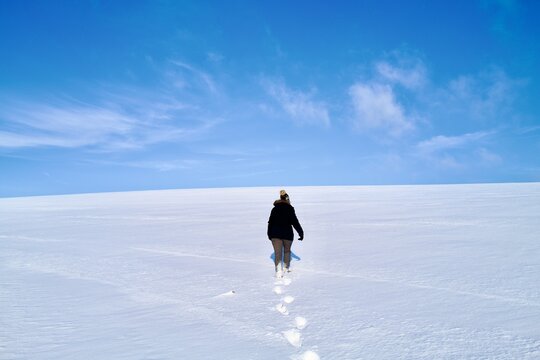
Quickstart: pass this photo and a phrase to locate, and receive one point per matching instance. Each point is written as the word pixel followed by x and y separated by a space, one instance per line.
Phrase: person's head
pixel 283 195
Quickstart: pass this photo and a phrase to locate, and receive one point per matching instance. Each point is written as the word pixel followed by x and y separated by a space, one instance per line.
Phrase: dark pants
pixel 282 245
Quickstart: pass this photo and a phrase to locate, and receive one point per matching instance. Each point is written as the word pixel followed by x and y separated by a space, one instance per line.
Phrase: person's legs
pixel 278 248
pixel 287 252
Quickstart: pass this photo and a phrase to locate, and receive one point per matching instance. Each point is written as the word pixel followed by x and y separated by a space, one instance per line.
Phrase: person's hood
pixel 280 201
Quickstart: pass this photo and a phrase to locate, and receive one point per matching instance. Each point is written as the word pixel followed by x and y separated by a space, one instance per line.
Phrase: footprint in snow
pixel 300 322
pixel 294 337
pixel 288 299
pixel 278 290
pixel 282 309
pixel 309 355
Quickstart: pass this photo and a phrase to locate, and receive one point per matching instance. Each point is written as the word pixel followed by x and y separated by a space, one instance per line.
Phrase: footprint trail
pixel 293 335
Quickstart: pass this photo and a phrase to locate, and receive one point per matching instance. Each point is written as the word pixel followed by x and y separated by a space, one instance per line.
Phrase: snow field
pixel 391 272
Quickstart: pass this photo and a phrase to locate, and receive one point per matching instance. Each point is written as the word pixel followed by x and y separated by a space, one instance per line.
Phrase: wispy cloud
pixel 105 126
pixel 300 106
pixel 459 152
pixel 484 97
pixel 410 73
pixel 528 129
pixel 62 125
pixel 113 117
pixel 376 107
pixel 214 57
pixel 200 75
pixel 441 142
pixel 157 164
pixel 489 157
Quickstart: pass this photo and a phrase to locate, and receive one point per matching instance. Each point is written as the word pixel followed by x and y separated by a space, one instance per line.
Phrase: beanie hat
pixel 283 195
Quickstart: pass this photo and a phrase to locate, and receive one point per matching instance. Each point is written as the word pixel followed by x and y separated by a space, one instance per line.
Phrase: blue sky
pixel 133 95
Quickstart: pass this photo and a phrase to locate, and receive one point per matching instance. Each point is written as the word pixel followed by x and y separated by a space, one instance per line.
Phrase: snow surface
pixel 390 272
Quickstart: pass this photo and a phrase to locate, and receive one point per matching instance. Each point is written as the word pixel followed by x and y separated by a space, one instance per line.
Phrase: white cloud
pixel 65 125
pixel 202 76
pixel 459 152
pixel 489 157
pixel 376 107
pixel 410 76
pixel 298 105
pixel 376 102
pixel 158 165
pixel 124 124
pixel 487 97
pixel 214 57
pixel 115 118
pixel 14 140
pixel 449 162
pixel 441 142
pixel 527 129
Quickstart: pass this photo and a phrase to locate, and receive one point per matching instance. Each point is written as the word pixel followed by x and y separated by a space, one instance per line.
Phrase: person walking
pixel 280 231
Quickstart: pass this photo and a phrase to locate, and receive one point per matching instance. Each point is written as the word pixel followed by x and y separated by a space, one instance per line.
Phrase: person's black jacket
pixel 282 219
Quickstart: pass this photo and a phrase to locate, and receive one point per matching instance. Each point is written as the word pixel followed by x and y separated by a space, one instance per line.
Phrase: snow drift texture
pixel 408 272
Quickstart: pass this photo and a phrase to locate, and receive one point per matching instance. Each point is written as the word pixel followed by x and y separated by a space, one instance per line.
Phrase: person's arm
pixel 269 224
pixel 297 226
